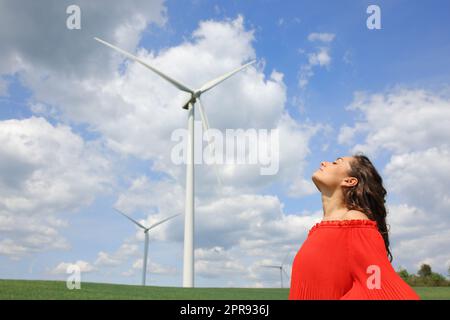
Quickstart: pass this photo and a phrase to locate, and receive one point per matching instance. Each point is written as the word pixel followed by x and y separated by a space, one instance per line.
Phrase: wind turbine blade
pixel 205 121
pixel 286 273
pixel 131 219
pixel 206 127
pixel 278 267
pixel 162 221
pixel 284 259
pixel 215 82
pixel 176 83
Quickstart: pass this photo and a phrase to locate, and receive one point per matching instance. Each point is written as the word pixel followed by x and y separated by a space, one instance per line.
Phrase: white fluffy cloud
pixel 324 37
pixel 63 267
pixel 319 58
pixel 399 121
pixel 45 171
pixel 217 263
pixel 422 177
pixel 41 39
pixel 125 251
pixel 152 268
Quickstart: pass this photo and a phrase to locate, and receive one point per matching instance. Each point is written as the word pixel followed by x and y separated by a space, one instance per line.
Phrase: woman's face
pixel 333 175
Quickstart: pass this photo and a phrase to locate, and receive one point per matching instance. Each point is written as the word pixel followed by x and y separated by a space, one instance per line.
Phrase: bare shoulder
pixel 355 215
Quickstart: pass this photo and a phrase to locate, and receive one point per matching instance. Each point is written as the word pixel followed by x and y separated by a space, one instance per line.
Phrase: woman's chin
pixel 314 178
pixel 315 174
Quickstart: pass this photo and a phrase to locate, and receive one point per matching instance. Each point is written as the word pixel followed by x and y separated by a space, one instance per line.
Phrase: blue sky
pixel 77 137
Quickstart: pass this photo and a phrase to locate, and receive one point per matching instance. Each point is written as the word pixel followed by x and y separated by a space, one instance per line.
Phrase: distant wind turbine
pixel 281 269
pixel 188 262
pixel 146 230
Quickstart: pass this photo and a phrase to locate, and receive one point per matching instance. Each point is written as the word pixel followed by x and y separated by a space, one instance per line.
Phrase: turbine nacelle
pixel 192 100
pixel 194 96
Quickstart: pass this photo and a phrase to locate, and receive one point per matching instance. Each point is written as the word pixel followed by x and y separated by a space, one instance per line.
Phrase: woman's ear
pixel 350 181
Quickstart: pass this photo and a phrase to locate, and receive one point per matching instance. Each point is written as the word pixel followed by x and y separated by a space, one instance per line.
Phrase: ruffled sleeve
pixel 373 276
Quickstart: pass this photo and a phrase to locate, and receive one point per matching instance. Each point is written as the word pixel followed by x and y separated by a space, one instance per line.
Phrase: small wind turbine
pixel 281 269
pixel 146 230
pixel 188 262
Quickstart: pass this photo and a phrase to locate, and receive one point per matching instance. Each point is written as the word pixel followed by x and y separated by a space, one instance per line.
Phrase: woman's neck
pixel 333 207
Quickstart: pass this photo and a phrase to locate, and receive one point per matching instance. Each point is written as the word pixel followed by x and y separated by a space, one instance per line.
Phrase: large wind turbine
pixel 146 230
pixel 188 262
pixel 281 269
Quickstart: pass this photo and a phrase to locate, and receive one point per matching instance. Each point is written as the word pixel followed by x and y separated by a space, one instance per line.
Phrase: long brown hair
pixel 368 195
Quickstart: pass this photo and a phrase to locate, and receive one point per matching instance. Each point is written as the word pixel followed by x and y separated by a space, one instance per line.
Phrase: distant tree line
pixel 425 277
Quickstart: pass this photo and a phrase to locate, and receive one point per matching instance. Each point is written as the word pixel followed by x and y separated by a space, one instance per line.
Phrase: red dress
pixel 346 259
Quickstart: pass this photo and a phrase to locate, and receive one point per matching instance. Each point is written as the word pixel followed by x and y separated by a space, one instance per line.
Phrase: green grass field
pixel 22 289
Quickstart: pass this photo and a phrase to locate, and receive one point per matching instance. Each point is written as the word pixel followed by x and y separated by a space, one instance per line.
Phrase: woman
pixel 346 255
